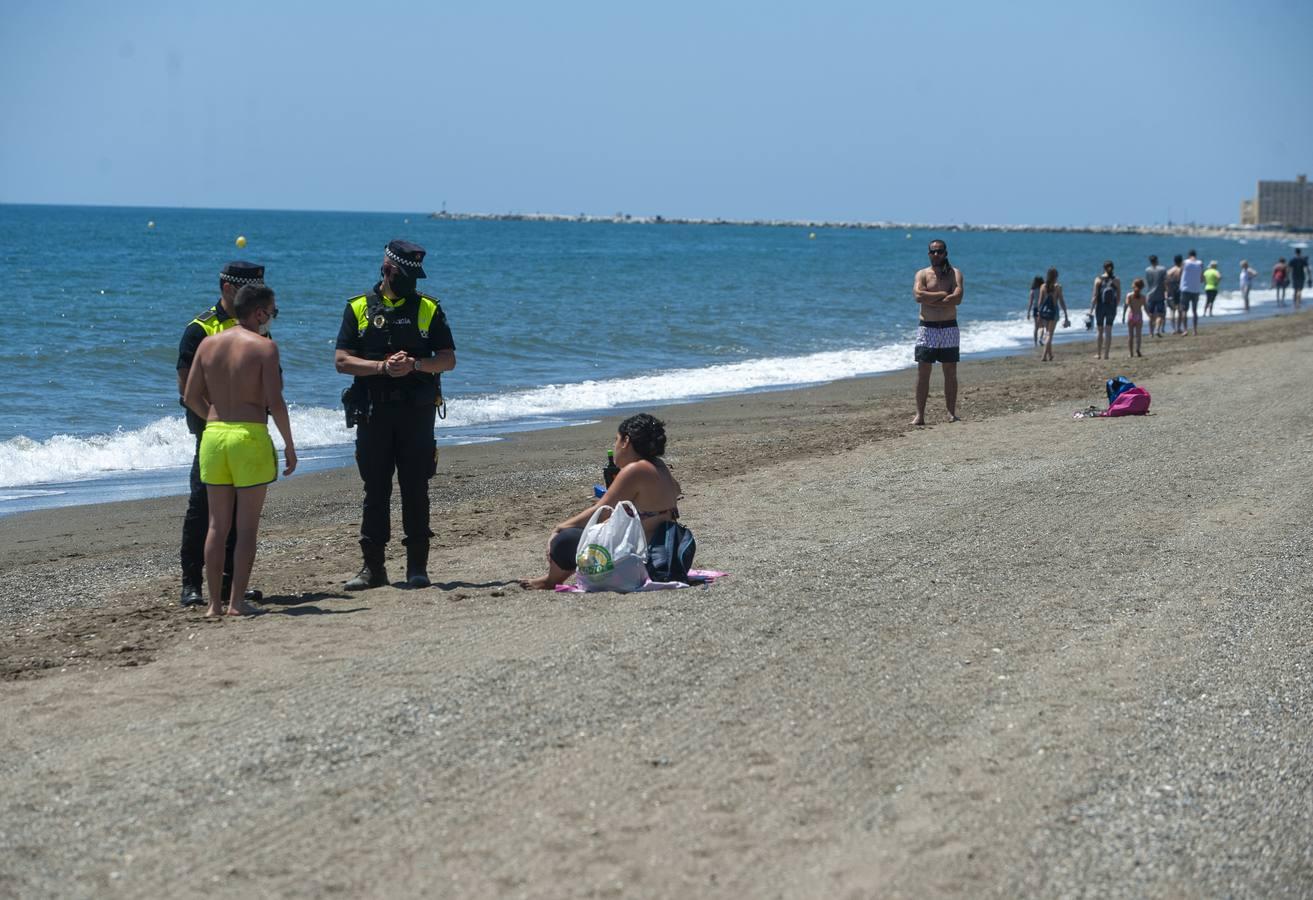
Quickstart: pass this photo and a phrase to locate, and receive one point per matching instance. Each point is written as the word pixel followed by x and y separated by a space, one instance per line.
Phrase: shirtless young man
pixel 938 289
pixel 1173 285
pixel 234 380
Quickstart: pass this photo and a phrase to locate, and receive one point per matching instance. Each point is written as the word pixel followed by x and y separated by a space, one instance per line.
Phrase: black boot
pixel 372 573
pixel 191 590
pixel 417 563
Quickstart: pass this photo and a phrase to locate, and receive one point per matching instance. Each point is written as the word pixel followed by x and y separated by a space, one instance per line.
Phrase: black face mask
pixel 400 285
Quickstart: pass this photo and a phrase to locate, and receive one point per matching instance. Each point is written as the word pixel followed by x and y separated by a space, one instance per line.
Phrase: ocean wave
pixel 163 444
pixel 166 443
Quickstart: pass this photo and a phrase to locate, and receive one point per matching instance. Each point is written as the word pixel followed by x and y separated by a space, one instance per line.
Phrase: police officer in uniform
pixel 396 343
pixel 195 523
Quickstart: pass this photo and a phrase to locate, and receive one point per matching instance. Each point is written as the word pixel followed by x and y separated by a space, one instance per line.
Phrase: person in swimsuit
pixel 1133 316
pixel 1155 289
pixel 1104 301
pixel 1032 306
pixel 938 290
pixel 1050 298
pixel 644 480
pixel 1279 280
pixel 1174 295
pixel 234 385
pixel 1298 268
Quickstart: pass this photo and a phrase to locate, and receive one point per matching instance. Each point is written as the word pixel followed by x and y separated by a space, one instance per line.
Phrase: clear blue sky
pixel 1110 112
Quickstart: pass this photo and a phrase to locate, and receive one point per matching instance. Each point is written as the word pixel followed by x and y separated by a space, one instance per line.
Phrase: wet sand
pixel 1017 655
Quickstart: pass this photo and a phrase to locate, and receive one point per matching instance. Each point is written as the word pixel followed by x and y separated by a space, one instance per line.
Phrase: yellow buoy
pixel 241 240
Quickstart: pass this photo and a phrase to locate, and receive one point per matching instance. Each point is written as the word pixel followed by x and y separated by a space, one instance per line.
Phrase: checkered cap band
pixel 408 263
pixel 235 279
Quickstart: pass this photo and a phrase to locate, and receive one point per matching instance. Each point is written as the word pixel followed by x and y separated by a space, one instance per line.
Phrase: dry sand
pixel 1017 656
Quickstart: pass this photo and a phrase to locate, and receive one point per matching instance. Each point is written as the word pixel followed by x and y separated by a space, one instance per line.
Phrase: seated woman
pixel 644 480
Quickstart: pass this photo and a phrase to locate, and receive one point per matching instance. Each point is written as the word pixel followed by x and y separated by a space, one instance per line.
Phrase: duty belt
pixel 391 395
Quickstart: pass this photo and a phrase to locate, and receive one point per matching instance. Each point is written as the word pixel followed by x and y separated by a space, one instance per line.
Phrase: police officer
pixel 396 343
pixel 195 523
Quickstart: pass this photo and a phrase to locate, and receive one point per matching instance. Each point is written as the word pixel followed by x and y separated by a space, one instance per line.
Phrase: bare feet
pixel 239 609
pixel 214 612
pixel 544 583
pixel 952 417
pixel 918 421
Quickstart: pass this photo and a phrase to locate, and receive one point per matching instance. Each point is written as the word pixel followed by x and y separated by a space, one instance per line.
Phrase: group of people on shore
pixel 1162 294
pixel 395 343
pixel 393 340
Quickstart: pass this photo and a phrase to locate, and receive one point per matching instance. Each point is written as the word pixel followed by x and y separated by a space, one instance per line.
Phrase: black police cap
pixel 408 257
pixel 240 272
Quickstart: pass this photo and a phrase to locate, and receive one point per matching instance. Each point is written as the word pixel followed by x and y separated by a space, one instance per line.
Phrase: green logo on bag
pixel 594 560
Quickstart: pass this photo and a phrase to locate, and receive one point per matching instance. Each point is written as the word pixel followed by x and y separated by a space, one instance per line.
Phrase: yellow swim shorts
pixel 240 454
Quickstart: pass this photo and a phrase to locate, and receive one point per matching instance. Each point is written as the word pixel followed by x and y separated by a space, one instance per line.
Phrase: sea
pixel 556 323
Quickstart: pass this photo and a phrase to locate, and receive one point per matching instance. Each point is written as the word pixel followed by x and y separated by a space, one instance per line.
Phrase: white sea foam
pixel 21 494
pixel 166 442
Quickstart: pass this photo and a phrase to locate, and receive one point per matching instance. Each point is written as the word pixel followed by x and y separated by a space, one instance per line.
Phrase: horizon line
pixel 640 219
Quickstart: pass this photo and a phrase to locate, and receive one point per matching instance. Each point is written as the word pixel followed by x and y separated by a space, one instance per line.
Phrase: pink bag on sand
pixel 1130 402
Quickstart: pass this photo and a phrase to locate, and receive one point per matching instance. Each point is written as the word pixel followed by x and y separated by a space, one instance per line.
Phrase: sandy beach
pixel 1021 655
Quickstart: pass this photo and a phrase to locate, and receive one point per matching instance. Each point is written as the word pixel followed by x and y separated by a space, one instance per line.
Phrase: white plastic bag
pixel 612 555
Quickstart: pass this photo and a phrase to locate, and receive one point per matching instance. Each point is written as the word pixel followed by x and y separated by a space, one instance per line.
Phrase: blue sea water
pixel 555 322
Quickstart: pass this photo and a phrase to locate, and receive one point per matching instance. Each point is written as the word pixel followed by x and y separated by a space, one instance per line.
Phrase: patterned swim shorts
pixel 937 342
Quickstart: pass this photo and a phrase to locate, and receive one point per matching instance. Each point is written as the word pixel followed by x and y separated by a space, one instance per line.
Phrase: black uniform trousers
pixel 397 438
pixel 195 524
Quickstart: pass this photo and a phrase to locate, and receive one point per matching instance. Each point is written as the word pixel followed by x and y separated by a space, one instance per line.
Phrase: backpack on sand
pixel 1116 386
pixel 1130 402
pixel 670 552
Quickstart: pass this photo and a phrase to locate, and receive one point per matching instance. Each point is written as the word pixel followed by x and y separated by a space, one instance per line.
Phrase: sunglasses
pixel 273 312
pixel 937 251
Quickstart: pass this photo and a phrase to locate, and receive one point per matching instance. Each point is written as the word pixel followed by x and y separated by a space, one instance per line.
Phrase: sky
pixel 1022 112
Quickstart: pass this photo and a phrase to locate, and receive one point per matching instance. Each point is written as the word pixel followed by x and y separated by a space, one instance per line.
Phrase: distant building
pixel 1288 203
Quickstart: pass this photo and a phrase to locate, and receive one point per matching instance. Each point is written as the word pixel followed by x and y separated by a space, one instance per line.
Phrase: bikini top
pixel 645 514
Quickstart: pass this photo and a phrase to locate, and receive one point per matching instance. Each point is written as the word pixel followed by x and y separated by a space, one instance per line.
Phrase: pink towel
pixel 705 576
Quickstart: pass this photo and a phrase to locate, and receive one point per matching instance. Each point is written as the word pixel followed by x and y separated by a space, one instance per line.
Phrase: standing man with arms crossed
pixel 234 384
pixel 1104 303
pixel 938 289
pixel 212 321
pixel 396 343
pixel 1192 285
pixel 1298 268
pixel 1155 288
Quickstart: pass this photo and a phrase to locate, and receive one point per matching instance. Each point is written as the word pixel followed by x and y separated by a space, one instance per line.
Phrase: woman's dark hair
pixel 1038 282
pixel 1051 278
pixel 647 435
